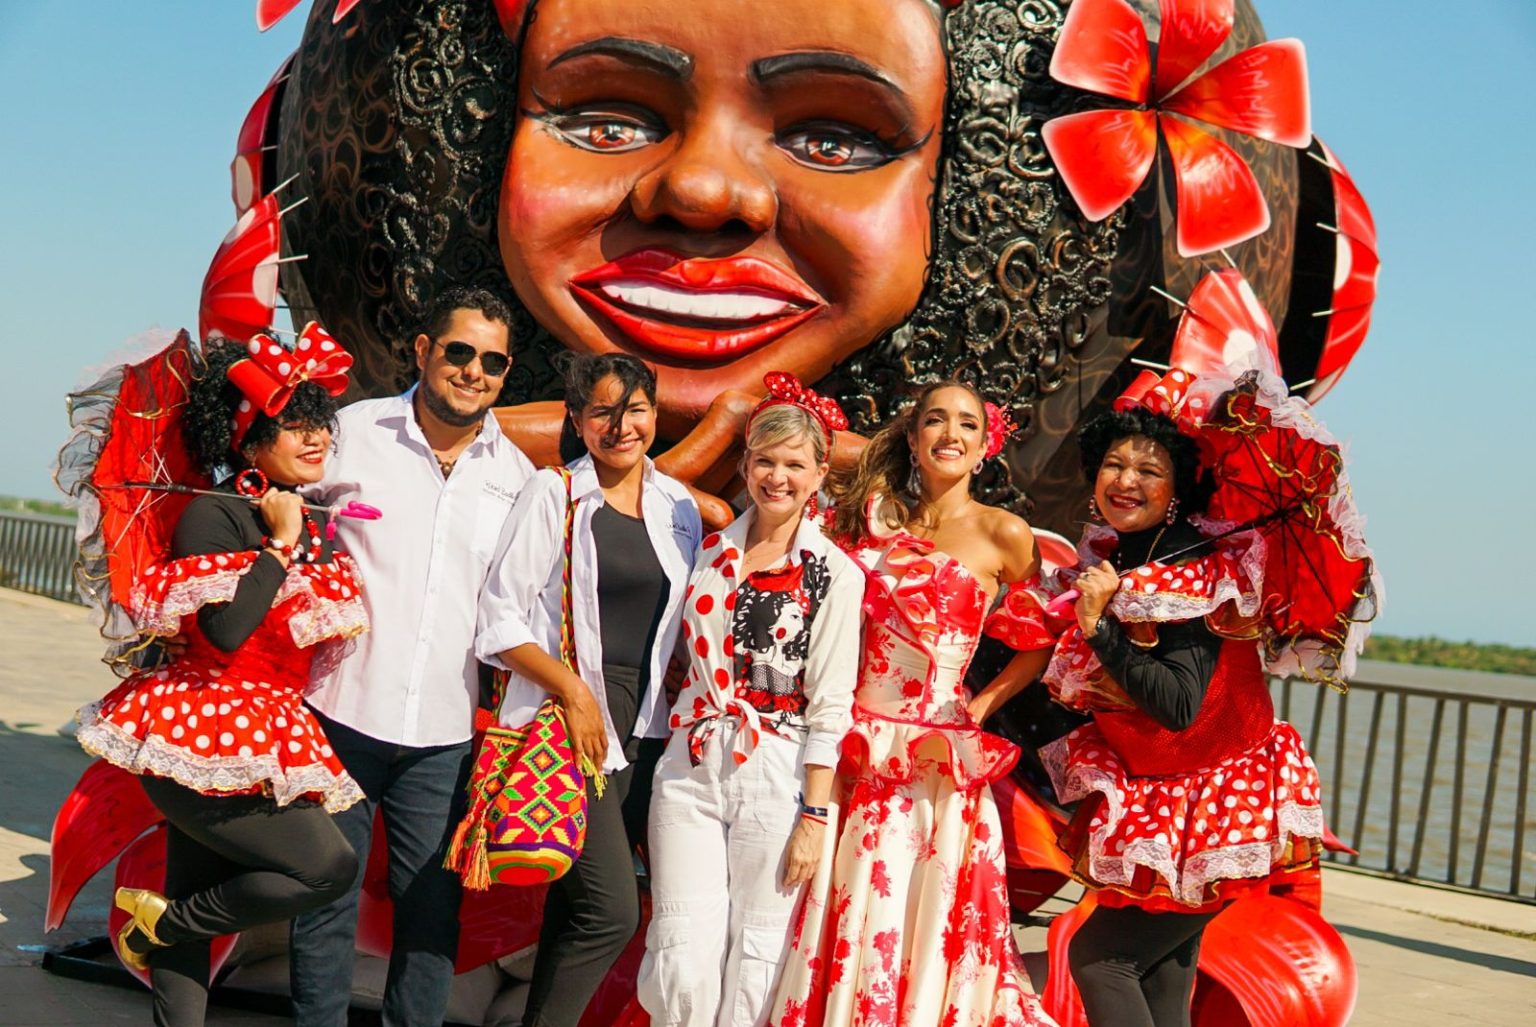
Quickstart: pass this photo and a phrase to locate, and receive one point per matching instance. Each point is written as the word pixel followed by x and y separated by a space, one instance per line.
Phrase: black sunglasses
pixel 461 354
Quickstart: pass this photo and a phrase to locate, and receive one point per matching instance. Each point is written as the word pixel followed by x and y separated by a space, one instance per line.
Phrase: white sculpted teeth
pixel 720 306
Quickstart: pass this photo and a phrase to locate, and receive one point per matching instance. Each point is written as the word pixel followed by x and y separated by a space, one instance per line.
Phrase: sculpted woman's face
pixel 723 187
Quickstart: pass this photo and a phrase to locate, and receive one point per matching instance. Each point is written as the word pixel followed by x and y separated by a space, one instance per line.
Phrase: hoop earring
pixel 914 480
pixel 977 469
pixel 1173 511
pixel 251 483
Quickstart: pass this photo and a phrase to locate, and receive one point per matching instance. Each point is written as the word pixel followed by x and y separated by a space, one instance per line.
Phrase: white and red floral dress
pixel 1182 821
pixel 232 723
pixel 911 926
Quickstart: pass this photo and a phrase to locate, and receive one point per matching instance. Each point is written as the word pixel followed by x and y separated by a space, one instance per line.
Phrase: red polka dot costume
pixel 1182 820
pixel 232 723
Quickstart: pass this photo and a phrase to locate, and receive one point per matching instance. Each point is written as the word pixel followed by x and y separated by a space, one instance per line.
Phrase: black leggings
pixel 592 912
pixel 232 862
pixel 1135 968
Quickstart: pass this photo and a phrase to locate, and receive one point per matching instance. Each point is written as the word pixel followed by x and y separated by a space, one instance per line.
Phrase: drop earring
pixel 1093 511
pixel 1173 510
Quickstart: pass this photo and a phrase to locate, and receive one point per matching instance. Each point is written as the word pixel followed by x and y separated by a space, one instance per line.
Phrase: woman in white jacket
pixel 633 538
pixel 739 820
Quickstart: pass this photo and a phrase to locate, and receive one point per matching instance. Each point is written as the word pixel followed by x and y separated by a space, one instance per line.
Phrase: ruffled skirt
pixel 1187 841
pixel 214 734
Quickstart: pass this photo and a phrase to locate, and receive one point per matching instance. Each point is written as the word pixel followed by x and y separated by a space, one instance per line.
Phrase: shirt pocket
pixel 489 518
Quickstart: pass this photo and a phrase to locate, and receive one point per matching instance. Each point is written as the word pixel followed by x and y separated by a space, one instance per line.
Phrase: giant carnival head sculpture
pixel 867 193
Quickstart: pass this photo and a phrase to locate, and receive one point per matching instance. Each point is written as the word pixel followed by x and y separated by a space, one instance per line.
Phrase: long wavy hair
pixel 888 467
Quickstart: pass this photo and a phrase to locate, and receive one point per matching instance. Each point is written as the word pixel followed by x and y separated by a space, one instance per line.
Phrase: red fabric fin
pixel 1223 327
pixel 270 12
pixel 104 813
pixel 1280 961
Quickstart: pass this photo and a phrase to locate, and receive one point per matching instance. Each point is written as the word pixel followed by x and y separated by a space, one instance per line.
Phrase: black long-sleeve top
pixel 232 524
pixel 1167 680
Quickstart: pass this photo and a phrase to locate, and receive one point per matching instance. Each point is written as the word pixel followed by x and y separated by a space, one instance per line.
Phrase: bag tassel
pixel 597 777
pixel 467 854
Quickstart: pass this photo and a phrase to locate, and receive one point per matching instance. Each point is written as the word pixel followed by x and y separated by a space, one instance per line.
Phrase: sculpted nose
pixel 707 185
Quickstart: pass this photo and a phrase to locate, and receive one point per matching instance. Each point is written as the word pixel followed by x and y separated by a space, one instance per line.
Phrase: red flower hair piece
pixel 1105 155
pixel 1000 428
pixel 272 372
pixel 784 388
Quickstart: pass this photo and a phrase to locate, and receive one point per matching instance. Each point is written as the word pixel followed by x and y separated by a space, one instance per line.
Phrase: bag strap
pixel 567 635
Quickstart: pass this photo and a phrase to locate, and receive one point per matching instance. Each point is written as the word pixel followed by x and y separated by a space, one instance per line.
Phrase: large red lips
pixel 697 308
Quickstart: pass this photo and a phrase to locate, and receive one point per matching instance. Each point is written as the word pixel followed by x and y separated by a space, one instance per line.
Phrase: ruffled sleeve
pixel 171 590
pixel 1019 620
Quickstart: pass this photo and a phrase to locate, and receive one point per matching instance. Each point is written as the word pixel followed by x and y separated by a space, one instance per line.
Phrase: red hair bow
pixel 1167 395
pixel 270 374
pixel 784 387
pixel 1000 428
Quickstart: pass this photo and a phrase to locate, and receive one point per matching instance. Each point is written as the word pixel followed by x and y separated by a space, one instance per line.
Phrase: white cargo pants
pixel 721 917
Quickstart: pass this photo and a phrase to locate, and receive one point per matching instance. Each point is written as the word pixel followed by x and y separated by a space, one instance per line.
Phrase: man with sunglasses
pixel 399 709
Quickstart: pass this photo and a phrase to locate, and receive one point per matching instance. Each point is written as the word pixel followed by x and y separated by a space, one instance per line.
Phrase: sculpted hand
pixel 803 854
pixel 284 514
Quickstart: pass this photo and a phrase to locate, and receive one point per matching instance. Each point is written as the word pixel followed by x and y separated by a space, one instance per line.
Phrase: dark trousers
pixel 593 911
pixel 420 791
pixel 233 862
pixel 1135 968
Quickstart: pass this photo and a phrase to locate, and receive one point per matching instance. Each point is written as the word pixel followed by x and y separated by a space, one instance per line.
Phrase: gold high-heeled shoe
pixel 144 909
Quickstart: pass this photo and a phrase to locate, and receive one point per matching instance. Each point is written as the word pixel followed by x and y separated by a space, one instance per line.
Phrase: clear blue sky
pixel 115 187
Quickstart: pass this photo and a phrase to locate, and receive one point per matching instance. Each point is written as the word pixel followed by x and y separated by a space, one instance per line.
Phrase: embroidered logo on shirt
pixel 501 492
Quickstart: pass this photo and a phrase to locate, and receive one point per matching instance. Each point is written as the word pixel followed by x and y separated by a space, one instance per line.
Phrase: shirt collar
pixel 808 539
pixel 401 414
pixel 584 477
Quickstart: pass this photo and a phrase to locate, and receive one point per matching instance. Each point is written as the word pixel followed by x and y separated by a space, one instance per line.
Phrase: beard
pixel 444 411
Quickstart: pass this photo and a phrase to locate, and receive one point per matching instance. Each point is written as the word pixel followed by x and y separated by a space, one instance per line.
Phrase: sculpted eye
pixel 834 147
pixel 606 132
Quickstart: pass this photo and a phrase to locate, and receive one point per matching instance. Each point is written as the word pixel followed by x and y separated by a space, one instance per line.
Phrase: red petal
pixel 1189 32
pixel 343 7
pixel 1222 326
pixel 1102 156
pixel 270 12
pixel 1102 48
pixel 1219 201
pixel 1280 961
pixel 1060 997
pixel 1259 92
pixel 1029 829
pixel 106 810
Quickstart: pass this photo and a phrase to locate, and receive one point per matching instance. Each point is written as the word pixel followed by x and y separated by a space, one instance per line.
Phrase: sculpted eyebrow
pixel 665 58
pixel 818 60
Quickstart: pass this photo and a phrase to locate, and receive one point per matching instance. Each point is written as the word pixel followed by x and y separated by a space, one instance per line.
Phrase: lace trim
pixel 1190 885
pixel 162 615
pixel 100 737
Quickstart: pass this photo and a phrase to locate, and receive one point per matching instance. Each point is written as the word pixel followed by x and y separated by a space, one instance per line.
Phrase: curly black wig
pixel 211 403
pixel 1191 484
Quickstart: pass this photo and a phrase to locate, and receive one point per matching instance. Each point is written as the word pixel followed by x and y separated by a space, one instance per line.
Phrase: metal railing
pixel 1418 779
pixel 37 554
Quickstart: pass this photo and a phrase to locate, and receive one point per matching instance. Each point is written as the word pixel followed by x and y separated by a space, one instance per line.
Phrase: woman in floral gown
pixel 909 923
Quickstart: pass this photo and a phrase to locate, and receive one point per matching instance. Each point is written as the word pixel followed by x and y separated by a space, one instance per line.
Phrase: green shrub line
pixel 51 507
pixel 1439 652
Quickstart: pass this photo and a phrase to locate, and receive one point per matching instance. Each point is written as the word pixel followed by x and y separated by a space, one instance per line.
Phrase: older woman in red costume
pixel 220 736
pixel 1190 792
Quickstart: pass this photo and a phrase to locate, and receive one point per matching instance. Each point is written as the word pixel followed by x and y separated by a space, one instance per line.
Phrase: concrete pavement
pixel 1424 956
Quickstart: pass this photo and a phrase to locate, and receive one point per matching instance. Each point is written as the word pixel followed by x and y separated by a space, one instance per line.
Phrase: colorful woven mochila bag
pixel 527 817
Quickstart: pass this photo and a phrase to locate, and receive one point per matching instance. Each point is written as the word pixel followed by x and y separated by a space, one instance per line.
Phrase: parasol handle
pixel 1061 606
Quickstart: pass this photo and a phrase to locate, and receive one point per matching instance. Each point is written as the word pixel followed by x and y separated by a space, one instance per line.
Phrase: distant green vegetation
pixel 37 506
pixel 1437 652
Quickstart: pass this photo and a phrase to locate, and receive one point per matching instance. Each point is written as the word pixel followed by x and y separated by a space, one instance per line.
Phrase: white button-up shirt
pixel 522 598
pixel 412 679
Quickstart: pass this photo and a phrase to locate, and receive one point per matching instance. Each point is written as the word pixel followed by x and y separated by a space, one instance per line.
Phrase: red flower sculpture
pixel 270 12
pixel 1105 155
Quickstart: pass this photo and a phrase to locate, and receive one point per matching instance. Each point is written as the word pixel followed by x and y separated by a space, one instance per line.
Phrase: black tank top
pixel 631 589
